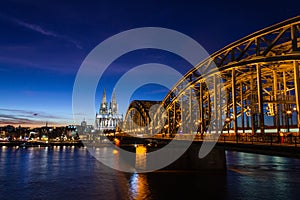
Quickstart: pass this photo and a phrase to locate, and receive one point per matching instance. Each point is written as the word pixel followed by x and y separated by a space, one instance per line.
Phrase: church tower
pixel 104 106
pixel 108 117
pixel 113 104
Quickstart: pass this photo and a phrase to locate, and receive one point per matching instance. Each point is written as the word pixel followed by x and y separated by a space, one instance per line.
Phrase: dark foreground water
pixel 72 173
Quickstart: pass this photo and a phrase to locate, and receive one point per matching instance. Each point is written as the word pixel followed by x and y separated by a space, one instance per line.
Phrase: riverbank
pixel 40 143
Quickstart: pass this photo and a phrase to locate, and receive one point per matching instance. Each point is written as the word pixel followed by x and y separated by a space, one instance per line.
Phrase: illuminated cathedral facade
pixel 108 118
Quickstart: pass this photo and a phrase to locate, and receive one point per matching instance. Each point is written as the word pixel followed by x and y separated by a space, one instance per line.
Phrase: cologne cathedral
pixel 108 118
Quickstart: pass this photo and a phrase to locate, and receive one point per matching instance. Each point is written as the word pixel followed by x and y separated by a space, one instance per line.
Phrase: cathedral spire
pixel 104 97
pixel 113 103
pixel 108 119
pixel 103 107
pixel 114 100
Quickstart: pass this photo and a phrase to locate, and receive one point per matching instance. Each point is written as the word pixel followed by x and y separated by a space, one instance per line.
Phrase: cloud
pixel 35 28
pixel 26 117
pixel 43 31
pixel 15 111
pixel 17 120
pixel 28 113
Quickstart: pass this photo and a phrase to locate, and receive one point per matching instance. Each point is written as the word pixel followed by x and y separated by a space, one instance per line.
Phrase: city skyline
pixel 43 45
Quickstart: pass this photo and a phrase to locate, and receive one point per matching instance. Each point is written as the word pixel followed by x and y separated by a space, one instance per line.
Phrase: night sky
pixel 43 44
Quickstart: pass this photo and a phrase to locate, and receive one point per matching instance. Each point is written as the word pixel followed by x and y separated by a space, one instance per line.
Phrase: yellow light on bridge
pixel 140 149
pixel 288 112
pixel 117 141
pixel 115 151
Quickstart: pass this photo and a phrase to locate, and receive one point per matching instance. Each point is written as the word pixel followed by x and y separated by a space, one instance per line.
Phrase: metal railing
pixel 258 139
pixel 286 140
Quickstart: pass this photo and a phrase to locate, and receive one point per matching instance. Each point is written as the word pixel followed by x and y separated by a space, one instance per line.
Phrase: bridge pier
pixel 215 160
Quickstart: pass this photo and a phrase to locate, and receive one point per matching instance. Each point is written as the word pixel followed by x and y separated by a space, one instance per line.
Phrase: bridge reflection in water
pixel 251 93
pixel 60 172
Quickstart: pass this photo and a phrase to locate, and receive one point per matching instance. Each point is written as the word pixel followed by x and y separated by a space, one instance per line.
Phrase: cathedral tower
pixel 113 104
pixel 108 117
pixel 104 106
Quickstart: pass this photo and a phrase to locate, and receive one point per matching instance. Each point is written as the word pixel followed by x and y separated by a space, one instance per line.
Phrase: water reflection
pixel 138 186
pixel 140 158
pixel 262 175
pixel 73 173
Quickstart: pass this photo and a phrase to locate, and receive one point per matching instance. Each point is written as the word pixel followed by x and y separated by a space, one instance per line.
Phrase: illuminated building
pixel 108 118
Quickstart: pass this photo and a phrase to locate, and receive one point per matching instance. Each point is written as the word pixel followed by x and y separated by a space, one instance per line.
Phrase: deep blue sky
pixel 43 44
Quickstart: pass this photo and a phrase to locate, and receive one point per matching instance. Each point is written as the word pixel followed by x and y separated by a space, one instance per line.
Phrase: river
pixel 72 173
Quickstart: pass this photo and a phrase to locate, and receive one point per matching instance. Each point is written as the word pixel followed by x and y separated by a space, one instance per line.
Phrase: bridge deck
pixel 287 147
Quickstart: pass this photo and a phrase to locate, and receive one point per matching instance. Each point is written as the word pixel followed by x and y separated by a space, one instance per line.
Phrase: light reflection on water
pixel 72 173
pixel 263 176
pixel 139 186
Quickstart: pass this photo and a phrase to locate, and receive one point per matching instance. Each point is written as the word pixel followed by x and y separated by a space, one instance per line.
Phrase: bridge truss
pixel 250 86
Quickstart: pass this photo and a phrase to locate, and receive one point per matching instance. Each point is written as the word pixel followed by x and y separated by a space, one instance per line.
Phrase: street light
pixel 288 114
pixel 227 120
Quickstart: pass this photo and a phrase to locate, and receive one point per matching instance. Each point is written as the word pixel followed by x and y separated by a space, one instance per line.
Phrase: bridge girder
pixel 259 74
pixel 138 116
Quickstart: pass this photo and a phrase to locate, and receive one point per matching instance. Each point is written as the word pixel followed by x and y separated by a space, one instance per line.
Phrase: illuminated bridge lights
pixel 260 80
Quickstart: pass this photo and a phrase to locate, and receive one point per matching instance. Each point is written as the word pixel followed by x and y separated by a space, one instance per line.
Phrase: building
pixel 108 118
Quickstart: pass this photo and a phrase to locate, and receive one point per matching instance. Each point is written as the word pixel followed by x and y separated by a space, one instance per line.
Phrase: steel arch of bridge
pixel 260 77
pixel 138 116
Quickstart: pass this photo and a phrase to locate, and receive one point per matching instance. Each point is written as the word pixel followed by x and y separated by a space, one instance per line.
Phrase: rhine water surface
pixel 72 173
